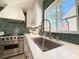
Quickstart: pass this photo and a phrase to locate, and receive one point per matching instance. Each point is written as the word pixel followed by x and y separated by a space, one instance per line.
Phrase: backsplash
pixel 72 38
pixel 12 27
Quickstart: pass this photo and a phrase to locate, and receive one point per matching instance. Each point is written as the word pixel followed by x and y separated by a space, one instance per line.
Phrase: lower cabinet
pixel 27 51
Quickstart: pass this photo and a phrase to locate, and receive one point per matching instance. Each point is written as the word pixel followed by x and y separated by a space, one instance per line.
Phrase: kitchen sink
pixel 47 44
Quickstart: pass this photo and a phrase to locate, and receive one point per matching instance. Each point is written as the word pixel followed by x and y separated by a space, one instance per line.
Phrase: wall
pixel 34 14
pixel 39 12
pixel 12 12
pixel 12 27
pixel 31 17
pixel 72 38
pixel 68 37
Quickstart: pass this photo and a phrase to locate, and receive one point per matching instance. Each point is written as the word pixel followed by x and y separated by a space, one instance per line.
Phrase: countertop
pixel 66 51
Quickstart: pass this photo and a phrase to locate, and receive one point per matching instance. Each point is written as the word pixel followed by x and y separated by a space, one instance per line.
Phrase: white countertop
pixel 66 51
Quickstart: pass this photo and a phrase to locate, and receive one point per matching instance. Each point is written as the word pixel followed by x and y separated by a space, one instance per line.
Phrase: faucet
pixel 43 43
pixel 40 27
pixel 49 27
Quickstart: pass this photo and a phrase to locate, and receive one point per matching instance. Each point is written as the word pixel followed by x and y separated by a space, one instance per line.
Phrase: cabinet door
pixel 27 51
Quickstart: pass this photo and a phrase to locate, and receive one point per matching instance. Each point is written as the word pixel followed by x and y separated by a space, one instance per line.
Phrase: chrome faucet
pixel 40 27
pixel 43 44
pixel 49 27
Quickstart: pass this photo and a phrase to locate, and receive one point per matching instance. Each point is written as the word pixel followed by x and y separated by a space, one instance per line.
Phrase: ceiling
pixel 20 3
pixel 25 4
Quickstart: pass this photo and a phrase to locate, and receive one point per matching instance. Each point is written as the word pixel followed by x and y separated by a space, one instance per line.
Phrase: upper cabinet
pixel 63 16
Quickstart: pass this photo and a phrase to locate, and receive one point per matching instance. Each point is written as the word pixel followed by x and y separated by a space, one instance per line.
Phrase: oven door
pixel 10 49
pixel 1 49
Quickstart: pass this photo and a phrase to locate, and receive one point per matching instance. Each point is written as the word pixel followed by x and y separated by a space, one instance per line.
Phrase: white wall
pixel 39 12
pixel 12 12
pixel 34 15
pixel 31 17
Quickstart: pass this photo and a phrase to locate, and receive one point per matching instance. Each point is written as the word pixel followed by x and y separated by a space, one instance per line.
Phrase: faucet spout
pixel 49 27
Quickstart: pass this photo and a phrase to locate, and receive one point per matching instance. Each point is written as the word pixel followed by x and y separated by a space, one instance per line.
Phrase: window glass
pixel 72 24
pixel 62 16
pixel 53 21
pixel 68 13
pixel 67 6
pixel 65 25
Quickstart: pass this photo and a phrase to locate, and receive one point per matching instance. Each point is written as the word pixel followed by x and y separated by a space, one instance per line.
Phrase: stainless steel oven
pixel 1 50
pixel 11 45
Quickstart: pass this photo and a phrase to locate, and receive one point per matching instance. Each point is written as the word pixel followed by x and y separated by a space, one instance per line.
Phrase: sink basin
pixel 48 45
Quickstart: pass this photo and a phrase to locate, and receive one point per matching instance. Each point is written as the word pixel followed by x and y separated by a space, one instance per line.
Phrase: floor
pixel 17 57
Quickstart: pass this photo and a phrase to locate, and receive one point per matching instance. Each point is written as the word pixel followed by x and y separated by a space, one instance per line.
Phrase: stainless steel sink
pixel 48 45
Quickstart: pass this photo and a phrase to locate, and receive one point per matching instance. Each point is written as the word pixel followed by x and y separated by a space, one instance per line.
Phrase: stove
pixel 11 45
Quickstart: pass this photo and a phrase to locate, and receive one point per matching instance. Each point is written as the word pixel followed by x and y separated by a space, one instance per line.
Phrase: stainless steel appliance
pixel 11 45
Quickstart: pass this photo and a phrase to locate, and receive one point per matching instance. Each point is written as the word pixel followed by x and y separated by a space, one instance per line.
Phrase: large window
pixel 69 15
pixel 67 5
pixel 50 14
pixel 62 15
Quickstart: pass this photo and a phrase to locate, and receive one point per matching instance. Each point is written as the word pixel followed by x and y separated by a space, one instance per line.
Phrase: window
pixel 62 15
pixel 69 15
pixel 50 14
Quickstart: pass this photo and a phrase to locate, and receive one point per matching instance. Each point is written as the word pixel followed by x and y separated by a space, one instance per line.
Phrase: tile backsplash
pixel 12 27
pixel 72 38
